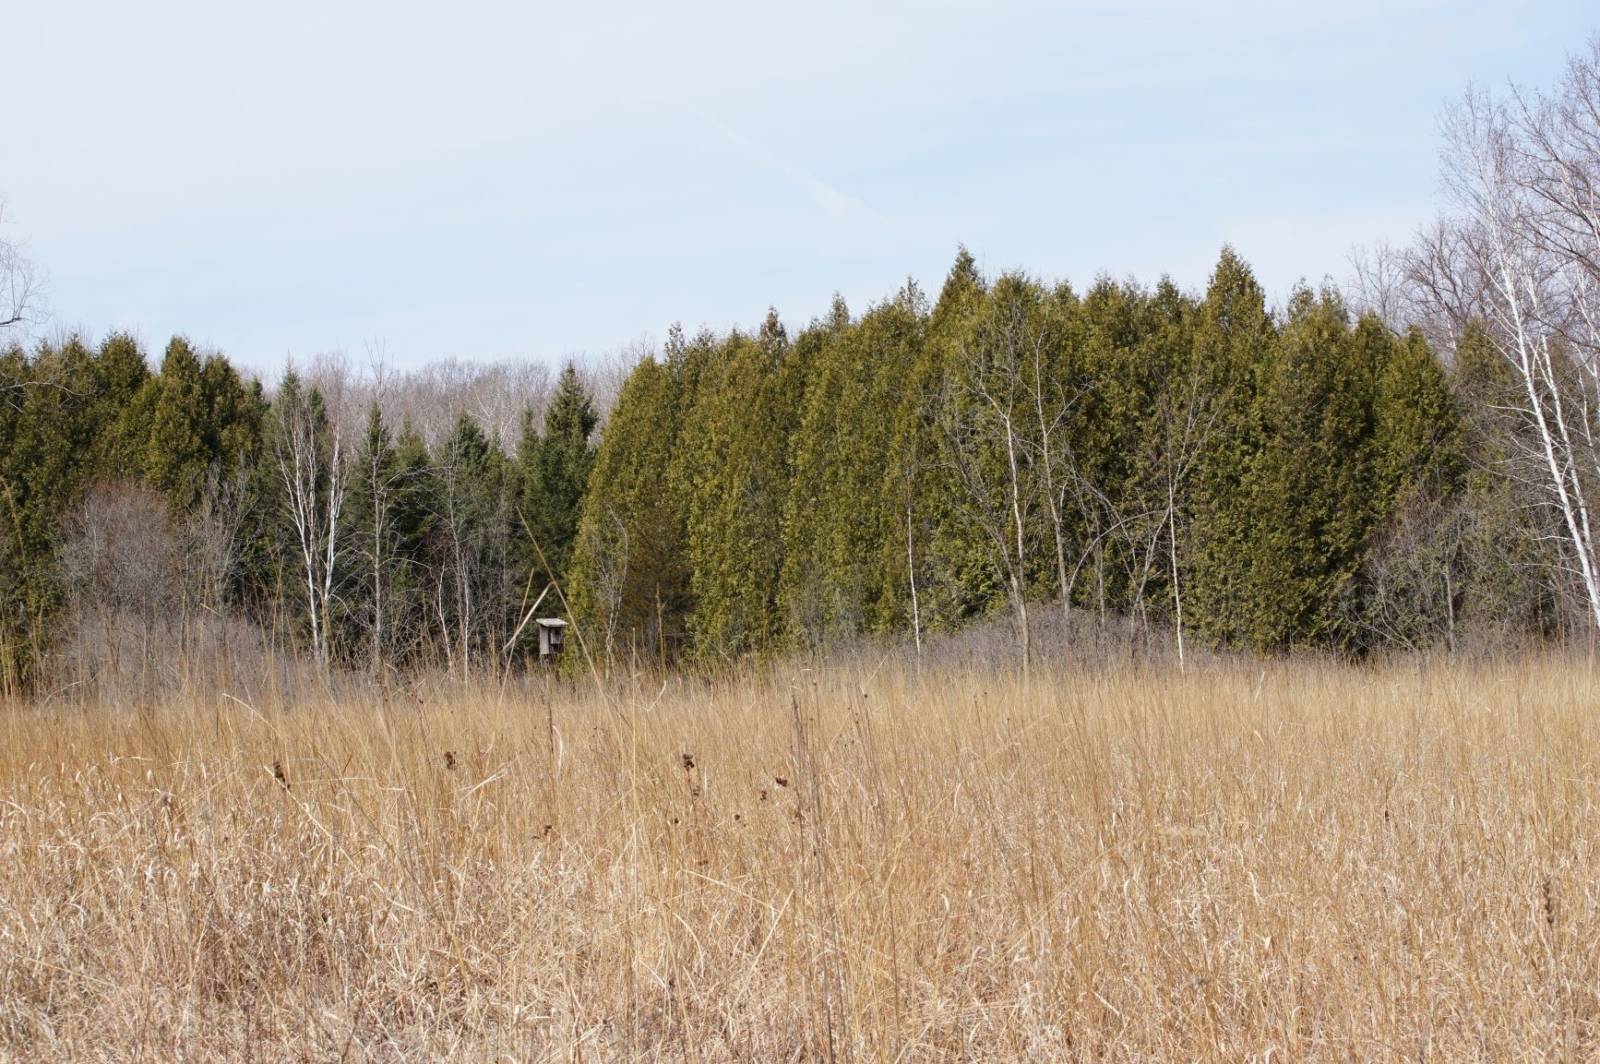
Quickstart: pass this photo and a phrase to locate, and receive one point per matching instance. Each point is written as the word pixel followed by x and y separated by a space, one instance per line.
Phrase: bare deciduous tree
pixel 1520 255
pixel 308 450
pixel 19 282
pixel 986 420
pixel 123 570
pixel 1380 284
pixel 611 577
pixel 1053 397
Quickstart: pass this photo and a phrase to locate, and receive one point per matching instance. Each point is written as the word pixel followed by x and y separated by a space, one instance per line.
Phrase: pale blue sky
pixel 495 181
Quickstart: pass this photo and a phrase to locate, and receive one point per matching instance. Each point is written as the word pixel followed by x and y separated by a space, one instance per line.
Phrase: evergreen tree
pixel 412 520
pixel 374 487
pixel 733 467
pixel 554 471
pixel 839 519
pixel 630 576
pixel 1307 483
pixel 1418 423
pixel 1410 588
pixel 187 420
pixel 941 557
pixel 1167 408
pixel 1110 445
pixel 1310 488
pixel 1232 347
pixel 58 407
pixel 122 373
pixel 1000 412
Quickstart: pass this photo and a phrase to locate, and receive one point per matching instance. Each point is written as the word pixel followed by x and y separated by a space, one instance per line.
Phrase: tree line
pixel 1191 463
pixel 1408 463
pixel 178 514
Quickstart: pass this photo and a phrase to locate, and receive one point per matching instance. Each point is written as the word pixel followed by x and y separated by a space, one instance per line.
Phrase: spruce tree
pixel 372 503
pixel 412 519
pixel 554 472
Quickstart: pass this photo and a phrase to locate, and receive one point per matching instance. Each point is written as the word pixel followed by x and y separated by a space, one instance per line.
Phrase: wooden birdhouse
pixel 552 637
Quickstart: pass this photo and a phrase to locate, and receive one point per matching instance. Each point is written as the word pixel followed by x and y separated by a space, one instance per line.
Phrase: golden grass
pixel 1306 862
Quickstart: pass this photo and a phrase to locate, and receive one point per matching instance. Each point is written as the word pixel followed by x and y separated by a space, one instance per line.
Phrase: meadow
pixel 1293 861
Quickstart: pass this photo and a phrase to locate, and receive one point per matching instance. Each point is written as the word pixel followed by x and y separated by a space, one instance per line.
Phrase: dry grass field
pixel 1307 862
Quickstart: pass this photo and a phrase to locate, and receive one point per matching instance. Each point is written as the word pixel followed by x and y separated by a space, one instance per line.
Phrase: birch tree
pixel 1521 254
pixel 308 453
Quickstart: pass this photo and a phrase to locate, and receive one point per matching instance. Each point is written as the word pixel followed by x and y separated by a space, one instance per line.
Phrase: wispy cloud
pixel 829 199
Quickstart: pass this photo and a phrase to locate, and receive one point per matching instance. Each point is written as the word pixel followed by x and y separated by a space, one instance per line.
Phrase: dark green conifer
pixel 553 468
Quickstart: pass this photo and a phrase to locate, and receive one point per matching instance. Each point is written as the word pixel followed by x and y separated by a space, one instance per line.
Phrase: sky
pixel 499 181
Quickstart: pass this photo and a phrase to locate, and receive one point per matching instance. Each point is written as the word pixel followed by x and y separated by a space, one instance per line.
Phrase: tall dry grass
pixel 1301 862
